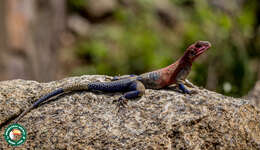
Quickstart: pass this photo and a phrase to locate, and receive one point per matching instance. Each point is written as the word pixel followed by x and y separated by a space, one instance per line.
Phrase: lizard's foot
pixel 177 89
pixel 194 92
pixel 190 92
pixel 122 102
pixel 183 89
pixel 186 91
pixel 188 83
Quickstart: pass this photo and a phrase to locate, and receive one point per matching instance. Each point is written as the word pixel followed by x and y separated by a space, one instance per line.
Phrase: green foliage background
pixel 133 40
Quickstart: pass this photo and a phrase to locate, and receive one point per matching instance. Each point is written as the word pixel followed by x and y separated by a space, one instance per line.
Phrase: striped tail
pixel 42 99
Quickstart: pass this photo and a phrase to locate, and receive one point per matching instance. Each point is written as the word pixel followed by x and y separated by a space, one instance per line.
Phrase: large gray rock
pixel 254 95
pixel 161 119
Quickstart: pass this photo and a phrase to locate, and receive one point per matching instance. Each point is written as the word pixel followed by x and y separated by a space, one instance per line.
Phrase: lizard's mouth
pixel 202 46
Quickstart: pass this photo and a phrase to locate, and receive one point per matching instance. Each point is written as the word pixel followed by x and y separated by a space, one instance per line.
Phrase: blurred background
pixel 47 40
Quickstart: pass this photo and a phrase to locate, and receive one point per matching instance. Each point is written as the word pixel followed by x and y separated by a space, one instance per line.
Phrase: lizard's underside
pixel 134 86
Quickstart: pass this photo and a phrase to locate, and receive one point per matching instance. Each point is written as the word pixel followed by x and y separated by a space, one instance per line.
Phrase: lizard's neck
pixel 185 60
pixel 179 70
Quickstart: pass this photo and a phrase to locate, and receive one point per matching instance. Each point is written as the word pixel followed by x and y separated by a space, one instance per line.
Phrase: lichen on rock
pixel 161 119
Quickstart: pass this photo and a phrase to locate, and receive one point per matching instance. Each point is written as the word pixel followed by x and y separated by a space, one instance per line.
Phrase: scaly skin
pixel 134 86
pixel 176 72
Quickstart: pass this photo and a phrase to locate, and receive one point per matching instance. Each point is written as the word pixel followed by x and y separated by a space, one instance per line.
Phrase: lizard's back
pixel 114 86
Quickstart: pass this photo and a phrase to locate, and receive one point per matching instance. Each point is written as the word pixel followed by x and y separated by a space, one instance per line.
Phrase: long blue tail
pixel 46 97
pixel 42 99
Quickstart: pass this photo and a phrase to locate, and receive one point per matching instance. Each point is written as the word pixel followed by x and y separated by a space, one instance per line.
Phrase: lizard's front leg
pixel 188 83
pixel 180 83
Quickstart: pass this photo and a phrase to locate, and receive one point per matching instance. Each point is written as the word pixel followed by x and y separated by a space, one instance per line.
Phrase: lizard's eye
pixel 192 53
pixel 198 46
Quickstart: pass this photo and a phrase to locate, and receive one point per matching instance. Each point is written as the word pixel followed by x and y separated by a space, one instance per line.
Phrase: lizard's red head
pixel 196 49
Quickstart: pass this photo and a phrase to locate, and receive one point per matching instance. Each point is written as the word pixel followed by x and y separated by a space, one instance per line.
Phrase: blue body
pixel 125 85
pixel 115 86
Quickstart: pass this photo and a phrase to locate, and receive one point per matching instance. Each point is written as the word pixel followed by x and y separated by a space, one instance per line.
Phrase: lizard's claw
pixel 190 92
pixel 188 83
pixel 186 91
pixel 193 92
pixel 122 102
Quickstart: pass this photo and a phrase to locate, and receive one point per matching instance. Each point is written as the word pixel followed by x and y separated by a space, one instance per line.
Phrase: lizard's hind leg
pixel 136 89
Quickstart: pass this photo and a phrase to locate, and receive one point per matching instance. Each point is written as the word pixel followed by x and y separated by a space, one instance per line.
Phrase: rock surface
pixel 161 119
pixel 254 95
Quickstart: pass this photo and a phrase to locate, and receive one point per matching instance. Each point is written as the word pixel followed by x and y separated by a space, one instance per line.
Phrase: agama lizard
pixel 134 86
